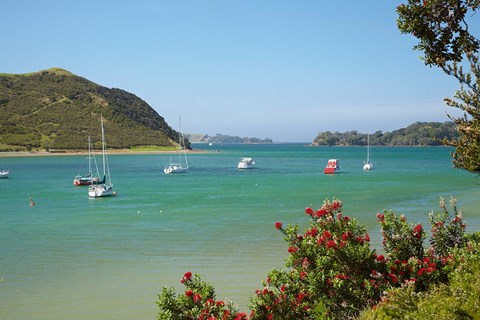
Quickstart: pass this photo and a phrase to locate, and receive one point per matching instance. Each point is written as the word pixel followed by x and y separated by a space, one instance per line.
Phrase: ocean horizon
pixel 73 257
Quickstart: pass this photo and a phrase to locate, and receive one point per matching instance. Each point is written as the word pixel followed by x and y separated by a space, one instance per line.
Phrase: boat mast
pixel 368 148
pixel 90 156
pixel 103 147
pixel 181 141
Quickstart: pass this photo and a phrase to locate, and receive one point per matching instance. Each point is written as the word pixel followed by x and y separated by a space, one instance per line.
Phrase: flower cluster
pixel 198 302
pixel 329 270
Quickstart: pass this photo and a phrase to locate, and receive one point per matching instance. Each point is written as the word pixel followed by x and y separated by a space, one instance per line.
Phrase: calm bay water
pixel 71 257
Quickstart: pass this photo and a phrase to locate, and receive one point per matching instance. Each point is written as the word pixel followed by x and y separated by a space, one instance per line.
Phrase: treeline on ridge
pixel 417 134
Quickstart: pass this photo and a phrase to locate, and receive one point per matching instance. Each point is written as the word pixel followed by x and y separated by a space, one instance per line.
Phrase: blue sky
pixel 285 70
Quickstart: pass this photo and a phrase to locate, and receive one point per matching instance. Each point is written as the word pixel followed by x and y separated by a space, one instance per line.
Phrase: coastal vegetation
pixel 416 134
pixel 56 110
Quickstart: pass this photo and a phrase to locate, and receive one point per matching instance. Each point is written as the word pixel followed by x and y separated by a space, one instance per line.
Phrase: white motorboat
pixel 246 163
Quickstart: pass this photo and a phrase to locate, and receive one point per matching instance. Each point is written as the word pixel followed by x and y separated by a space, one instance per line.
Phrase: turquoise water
pixel 78 258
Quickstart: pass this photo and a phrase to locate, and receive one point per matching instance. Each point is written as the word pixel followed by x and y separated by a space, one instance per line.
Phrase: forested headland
pixel 416 134
pixel 56 110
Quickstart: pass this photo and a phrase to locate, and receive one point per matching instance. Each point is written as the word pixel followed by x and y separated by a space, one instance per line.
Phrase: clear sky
pixel 285 70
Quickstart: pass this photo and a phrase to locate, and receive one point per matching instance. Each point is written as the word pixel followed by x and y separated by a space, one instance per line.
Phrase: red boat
pixel 333 166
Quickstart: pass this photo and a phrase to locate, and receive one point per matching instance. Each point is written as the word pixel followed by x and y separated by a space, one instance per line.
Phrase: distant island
pixel 417 134
pixel 221 138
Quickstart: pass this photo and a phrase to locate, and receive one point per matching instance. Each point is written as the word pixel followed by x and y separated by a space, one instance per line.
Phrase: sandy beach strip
pixel 80 153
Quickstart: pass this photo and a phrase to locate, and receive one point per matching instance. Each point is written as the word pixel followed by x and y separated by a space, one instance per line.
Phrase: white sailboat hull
pixel 367 166
pixel 173 168
pixel 97 191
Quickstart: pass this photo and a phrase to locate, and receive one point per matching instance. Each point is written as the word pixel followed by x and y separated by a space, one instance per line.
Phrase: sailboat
pixel 103 189
pixel 178 166
pixel 89 177
pixel 4 173
pixel 367 165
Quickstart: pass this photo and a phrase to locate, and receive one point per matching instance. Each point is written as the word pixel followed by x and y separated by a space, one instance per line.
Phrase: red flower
pixel 300 296
pixel 292 249
pixel 309 211
pixel 189 293
pixel 330 244
pixel 393 278
pixel 341 276
pixel 380 258
pixel 303 275
pixel 417 231
pixel 311 232
pixel 421 271
pixel 278 225
pixel 320 213
pixel 186 277
pixel 336 204
pixel 380 217
pixel 240 316
pixel 367 237
pixel 197 297
pixel 326 234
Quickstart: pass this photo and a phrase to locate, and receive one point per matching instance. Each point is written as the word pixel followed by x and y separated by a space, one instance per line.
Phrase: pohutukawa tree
pixel 447 40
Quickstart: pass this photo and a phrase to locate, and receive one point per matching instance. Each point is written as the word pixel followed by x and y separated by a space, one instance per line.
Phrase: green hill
pixel 56 110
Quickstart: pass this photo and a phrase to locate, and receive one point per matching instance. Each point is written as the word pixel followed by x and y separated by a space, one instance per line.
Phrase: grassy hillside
pixel 55 109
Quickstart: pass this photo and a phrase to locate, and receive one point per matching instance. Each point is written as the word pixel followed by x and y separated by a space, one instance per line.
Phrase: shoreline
pixel 81 153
